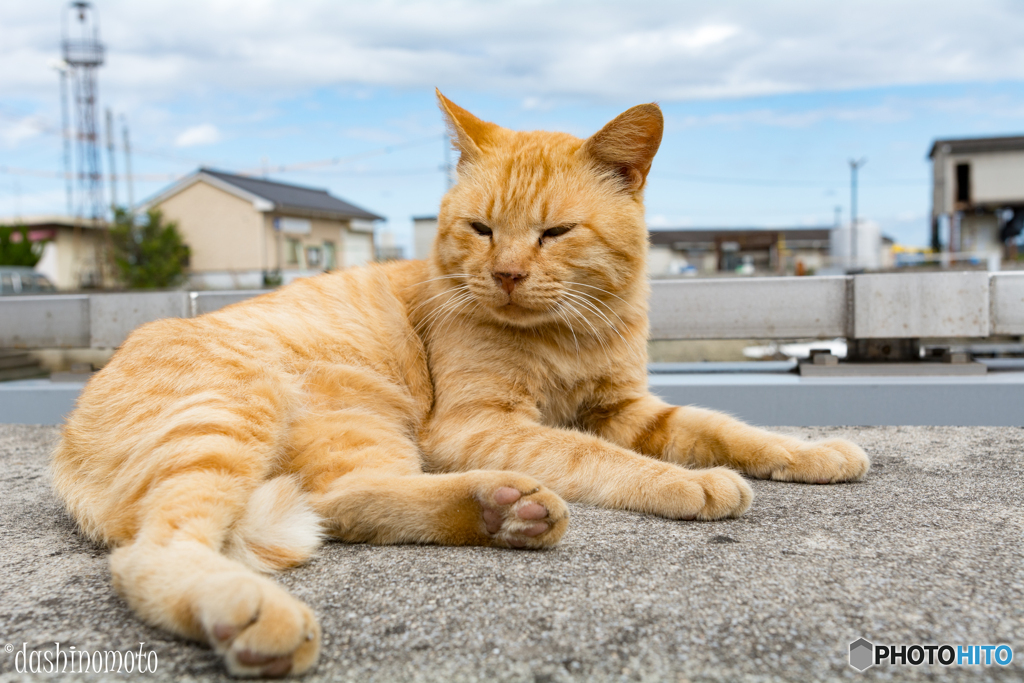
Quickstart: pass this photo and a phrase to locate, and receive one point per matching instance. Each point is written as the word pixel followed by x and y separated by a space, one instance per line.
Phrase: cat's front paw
pixel 821 462
pixel 257 628
pixel 714 493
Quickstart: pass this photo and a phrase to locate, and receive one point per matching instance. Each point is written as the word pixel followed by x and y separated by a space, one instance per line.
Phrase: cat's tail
pixel 278 529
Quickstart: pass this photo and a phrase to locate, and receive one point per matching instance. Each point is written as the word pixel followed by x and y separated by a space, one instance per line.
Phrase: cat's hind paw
pixel 259 630
pixel 523 516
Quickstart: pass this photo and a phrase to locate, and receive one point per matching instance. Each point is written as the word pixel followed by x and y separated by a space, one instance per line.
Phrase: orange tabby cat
pixel 510 366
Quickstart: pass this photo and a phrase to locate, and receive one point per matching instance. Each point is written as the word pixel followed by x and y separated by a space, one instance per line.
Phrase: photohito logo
pixel 864 654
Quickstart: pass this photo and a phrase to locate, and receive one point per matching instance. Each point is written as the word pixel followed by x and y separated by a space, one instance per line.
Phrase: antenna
pixel 110 156
pixel 855 165
pixel 128 165
pixel 83 54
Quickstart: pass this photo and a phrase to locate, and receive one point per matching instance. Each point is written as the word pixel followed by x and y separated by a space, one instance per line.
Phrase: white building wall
pixel 997 177
pixel 868 253
pixel 424 232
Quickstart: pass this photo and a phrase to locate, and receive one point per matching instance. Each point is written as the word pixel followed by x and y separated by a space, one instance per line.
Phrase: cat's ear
pixel 627 145
pixel 469 134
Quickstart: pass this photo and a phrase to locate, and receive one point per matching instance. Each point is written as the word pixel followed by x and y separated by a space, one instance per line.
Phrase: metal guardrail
pixel 870 306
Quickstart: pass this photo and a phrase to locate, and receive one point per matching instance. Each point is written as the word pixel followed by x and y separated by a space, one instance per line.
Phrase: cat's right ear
pixel 627 144
pixel 469 134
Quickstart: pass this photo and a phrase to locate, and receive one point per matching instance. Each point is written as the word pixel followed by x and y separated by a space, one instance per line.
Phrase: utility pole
pixel 128 164
pixel 110 156
pixel 449 180
pixel 65 133
pixel 855 165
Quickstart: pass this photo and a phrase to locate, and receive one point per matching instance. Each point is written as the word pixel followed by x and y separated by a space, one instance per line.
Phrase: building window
pixel 963 183
pixel 313 255
pixel 330 256
pixel 292 251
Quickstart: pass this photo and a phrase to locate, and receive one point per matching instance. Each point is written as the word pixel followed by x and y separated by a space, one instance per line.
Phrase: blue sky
pixel 764 102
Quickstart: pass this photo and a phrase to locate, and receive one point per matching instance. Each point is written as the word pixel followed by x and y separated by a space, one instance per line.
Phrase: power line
pixel 334 161
pixel 771 182
pixel 39 173
pixel 381 172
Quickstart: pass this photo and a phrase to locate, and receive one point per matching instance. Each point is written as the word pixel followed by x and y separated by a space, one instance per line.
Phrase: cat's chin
pixel 520 316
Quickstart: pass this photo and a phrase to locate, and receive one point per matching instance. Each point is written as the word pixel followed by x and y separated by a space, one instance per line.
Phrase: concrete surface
pixel 927 550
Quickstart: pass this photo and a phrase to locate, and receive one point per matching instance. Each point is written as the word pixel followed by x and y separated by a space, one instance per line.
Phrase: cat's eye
pixel 481 229
pixel 555 232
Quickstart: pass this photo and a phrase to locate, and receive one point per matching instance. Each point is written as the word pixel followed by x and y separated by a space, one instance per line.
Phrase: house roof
pixel 52 221
pixel 269 195
pixel 752 237
pixel 1011 143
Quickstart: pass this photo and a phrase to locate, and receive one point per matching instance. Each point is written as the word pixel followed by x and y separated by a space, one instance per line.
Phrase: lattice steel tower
pixel 83 53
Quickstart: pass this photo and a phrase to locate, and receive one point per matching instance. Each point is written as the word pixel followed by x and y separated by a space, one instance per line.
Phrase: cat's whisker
pixel 597 335
pixel 594 299
pixel 434 279
pixel 428 321
pixel 455 313
pixel 583 299
pixel 451 307
pixel 423 303
pixel 560 312
pixel 636 353
pixel 601 289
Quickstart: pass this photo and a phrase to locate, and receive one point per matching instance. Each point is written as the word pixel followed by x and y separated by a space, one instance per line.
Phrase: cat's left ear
pixel 469 133
pixel 627 145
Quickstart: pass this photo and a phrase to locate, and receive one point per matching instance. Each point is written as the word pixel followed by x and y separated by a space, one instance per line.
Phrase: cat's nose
pixel 509 280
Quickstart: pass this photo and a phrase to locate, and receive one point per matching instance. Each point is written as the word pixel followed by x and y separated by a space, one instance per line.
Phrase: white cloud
pixel 597 50
pixel 889 112
pixel 203 134
pixel 17 130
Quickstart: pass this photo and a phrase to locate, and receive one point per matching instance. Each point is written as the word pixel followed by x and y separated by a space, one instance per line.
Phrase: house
pixel 245 232
pixel 702 251
pixel 74 255
pixel 977 195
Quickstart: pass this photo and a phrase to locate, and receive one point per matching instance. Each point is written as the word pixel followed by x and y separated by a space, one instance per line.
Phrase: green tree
pixel 20 252
pixel 148 253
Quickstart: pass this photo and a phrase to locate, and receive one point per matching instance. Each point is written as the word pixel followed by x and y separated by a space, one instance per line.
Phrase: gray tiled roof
pixel 285 196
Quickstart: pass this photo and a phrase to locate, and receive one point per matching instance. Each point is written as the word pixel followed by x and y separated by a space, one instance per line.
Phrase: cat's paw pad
pixel 258 628
pixel 523 516
pixel 823 462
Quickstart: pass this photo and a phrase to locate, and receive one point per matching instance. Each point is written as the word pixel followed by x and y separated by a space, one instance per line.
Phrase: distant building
pixel 977 194
pixel 424 230
pixel 702 251
pixel 244 231
pixel 74 256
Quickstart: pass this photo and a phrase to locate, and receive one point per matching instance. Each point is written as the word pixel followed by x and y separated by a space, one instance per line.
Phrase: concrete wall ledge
pixel 768 398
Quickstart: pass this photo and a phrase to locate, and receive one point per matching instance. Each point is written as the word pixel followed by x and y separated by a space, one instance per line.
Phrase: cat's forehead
pixel 535 177
pixel 534 148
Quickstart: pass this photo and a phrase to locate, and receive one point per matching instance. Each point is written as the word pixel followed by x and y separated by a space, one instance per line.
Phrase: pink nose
pixel 508 281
